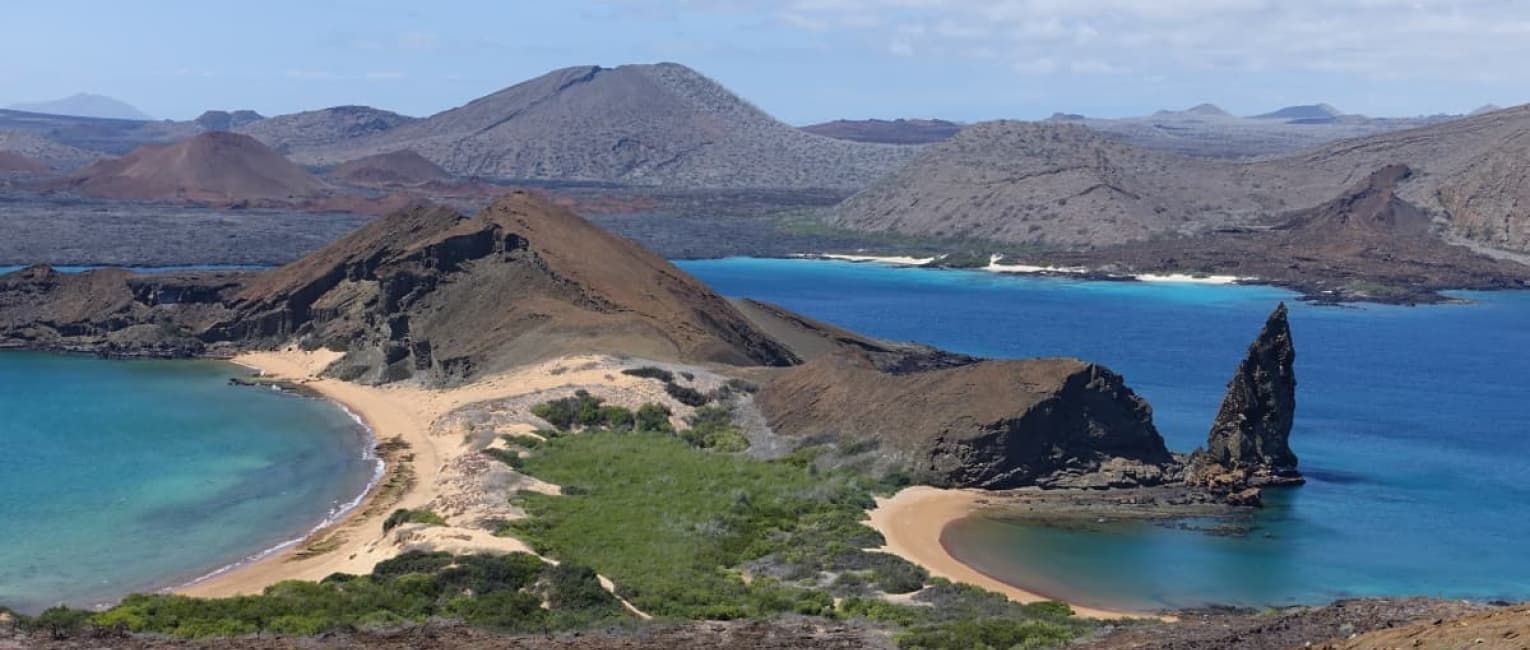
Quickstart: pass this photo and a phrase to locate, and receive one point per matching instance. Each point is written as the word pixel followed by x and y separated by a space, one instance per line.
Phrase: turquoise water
pixel 122 476
pixel 1413 428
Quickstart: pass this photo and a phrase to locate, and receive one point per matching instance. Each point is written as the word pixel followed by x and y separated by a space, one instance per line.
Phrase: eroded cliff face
pixel 982 424
pixel 1249 444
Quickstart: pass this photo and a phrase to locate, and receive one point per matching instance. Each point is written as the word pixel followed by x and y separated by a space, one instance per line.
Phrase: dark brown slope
pixel 425 292
pixel 898 131
pixel 212 167
pixel 395 168
pixel 662 124
pixel 970 423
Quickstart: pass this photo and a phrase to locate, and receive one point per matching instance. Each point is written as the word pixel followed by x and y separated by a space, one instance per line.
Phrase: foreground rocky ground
pixel 1349 624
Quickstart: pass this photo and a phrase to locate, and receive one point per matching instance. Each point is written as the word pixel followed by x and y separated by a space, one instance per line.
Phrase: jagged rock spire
pixel 1249 443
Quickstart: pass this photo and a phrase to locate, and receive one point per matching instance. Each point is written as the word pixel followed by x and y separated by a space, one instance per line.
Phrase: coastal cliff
pixel 982 424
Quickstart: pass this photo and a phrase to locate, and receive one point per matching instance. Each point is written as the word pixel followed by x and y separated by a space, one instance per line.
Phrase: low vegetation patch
pixel 406 516
pixel 504 592
pixel 679 528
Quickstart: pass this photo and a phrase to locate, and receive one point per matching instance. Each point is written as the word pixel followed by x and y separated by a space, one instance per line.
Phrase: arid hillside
pixel 662 124
pixel 1067 186
pixel 212 167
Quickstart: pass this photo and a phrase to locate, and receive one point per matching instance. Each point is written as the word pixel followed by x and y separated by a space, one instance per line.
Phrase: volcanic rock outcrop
pixel 423 293
pixel 1249 445
pixel 213 167
pixel 394 168
pixel 971 423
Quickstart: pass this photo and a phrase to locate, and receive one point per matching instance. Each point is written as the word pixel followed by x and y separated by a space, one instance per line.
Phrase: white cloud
pixel 1407 39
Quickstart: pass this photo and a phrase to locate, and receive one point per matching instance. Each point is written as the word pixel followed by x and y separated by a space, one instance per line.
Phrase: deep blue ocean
pixel 122 476
pixel 1413 428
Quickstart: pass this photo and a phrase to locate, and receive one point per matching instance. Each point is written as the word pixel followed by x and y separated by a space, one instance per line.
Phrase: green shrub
pixel 876 609
pixel 60 622
pixel 654 418
pixel 497 591
pixel 617 418
pixel 711 427
pixel 405 516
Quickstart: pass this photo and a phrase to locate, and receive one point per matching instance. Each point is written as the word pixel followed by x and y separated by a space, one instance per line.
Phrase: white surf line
pixel 1186 278
pixel 995 266
pixel 894 260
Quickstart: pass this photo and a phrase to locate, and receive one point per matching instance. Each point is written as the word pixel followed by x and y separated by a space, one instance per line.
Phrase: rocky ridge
pixel 424 293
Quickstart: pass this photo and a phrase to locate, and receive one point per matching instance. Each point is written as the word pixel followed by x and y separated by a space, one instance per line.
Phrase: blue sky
pixel 802 60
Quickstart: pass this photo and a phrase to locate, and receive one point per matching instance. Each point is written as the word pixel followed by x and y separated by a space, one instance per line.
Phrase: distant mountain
pixel 1305 112
pixel 387 169
pixel 1054 183
pixel 1064 185
pixel 662 124
pixel 212 167
pixel 227 120
pixel 1199 110
pixel 1486 108
pixel 35 147
pixel 1207 130
pixel 85 105
pixel 311 129
pixel 898 131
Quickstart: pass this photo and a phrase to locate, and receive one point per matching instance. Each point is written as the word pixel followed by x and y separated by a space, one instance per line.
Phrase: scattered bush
pixel 503 592
pixel 876 609
pixel 651 372
pixel 585 411
pixel 711 427
pixel 686 395
pixel 405 516
pixel 654 418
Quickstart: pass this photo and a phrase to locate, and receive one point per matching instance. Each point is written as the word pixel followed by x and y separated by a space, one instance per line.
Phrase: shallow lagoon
pixel 121 476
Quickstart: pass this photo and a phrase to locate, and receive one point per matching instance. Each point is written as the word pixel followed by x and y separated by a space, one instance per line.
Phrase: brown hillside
pixel 15 163
pixel 212 167
pixel 403 167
